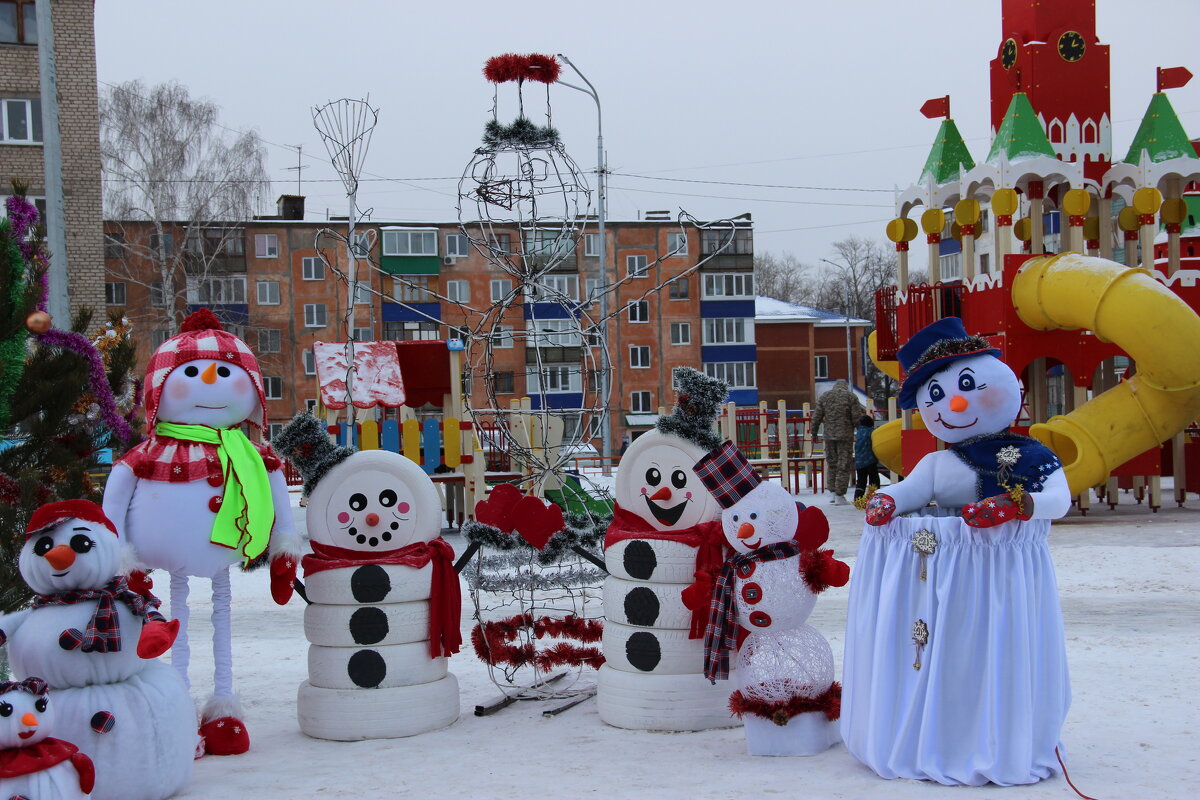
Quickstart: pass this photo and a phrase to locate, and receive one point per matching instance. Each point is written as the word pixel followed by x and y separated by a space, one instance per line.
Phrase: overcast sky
pixel 797 92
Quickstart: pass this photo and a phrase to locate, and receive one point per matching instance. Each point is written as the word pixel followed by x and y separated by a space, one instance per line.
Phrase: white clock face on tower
pixel 655 481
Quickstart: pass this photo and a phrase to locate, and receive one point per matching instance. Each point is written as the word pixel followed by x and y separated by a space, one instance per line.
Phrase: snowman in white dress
pixel 197 496
pixel 33 765
pixel 787 696
pixel 955 665
pixel 95 642
pixel 384 599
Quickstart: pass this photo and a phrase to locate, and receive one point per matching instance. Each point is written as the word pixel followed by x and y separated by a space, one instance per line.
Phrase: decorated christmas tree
pixel 63 396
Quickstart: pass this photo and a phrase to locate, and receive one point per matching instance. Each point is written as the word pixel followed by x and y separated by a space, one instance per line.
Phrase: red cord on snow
pixel 1068 777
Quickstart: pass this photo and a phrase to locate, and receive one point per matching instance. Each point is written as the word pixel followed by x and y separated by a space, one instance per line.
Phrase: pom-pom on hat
pixel 727 474
pixel 51 514
pixel 932 349
pixel 306 443
pixel 201 337
pixel 698 400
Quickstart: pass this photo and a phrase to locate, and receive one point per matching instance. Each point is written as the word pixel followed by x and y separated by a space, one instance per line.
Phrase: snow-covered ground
pixel 1127 580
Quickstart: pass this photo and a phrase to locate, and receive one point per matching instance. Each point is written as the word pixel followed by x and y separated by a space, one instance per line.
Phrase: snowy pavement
pixel 1126 579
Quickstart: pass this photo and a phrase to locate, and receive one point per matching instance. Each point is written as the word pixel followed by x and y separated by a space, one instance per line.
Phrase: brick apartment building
pixel 801 349
pixel 21 130
pixel 270 285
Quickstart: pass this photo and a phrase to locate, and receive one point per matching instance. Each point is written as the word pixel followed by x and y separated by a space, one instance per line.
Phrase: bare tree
pixel 176 189
pixel 783 277
pixel 859 268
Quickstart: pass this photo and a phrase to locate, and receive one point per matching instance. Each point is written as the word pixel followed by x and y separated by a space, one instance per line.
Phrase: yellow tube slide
pixel 1145 319
pixel 885 440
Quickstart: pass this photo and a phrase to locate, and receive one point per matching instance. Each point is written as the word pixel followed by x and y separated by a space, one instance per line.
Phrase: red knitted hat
pixel 51 514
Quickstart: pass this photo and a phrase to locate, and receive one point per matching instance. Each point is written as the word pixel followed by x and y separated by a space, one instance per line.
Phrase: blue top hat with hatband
pixel 932 349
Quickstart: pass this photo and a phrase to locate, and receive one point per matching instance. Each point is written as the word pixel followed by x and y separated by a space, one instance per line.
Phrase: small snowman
pixel 768 586
pixel 663 551
pixel 385 601
pixel 95 641
pixel 33 765
pixel 963 589
pixel 198 496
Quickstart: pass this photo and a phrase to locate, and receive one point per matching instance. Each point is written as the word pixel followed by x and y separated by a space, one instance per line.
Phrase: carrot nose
pixel 210 375
pixel 61 557
pixel 662 494
pixel 372 519
pixel 29 720
pixel 745 530
pixel 958 403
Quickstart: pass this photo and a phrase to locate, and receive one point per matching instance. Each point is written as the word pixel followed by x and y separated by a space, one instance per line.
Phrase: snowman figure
pixel 768 586
pixel 32 764
pixel 198 496
pixel 955 665
pixel 95 641
pixel 385 602
pixel 663 551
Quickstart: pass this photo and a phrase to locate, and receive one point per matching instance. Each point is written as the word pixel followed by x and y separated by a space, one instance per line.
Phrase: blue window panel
pixel 412 312
pixel 949 246
pixel 558 400
pixel 550 311
pixel 744 397
pixel 727 308
pixel 1052 222
pixel 233 313
pixel 728 352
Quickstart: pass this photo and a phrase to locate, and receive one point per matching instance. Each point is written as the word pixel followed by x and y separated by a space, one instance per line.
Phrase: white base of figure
pixel 369 584
pixel 657 605
pixel 350 715
pixel 354 626
pixel 805 735
pixel 657 560
pixel 658 651
pixel 637 701
pixel 373 667
pixel 149 751
pixel 60 782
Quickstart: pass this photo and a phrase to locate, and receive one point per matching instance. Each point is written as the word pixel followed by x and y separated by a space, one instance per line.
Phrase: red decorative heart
pixel 537 521
pixel 498 510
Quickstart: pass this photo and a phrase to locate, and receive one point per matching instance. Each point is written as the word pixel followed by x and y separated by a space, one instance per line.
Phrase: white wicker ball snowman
pixel 32 763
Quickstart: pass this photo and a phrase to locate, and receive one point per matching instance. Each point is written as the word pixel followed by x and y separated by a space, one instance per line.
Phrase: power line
pixel 752 199
pixel 753 185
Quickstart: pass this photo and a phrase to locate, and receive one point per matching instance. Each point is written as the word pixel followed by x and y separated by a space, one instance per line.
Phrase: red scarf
pixel 709 541
pixel 165 458
pixel 42 756
pixel 445 596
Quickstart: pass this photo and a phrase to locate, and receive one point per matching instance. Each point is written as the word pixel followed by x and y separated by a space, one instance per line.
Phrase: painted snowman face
pixel 72 555
pixel 971 397
pixel 655 481
pixel 25 719
pixel 765 516
pixel 208 392
pixel 374 501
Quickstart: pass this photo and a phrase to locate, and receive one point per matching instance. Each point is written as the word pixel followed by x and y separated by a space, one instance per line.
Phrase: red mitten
pixel 992 511
pixel 283 577
pixel 157 637
pixel 821 570
pixel 880 509
pixel 140 582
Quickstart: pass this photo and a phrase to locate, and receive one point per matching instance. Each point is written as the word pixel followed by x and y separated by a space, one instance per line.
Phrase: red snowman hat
pixel 201 337
pixel 51 514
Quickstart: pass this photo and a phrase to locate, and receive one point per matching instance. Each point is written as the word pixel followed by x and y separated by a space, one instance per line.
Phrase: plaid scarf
pixel 171 460
pixel 720 637
pixel 103 634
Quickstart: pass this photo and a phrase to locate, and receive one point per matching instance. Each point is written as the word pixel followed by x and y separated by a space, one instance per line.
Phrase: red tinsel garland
pixel 781 711
pixel 516 67
pixel 492 642
pixel 821 570
pixel 542 68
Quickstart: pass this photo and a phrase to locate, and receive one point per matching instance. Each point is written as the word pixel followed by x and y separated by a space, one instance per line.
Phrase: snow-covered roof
pixel 768 310
pixel 376 380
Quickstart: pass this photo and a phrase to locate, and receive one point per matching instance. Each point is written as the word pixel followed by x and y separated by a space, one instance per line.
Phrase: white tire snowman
pixel 197 496
pixel 662 551
pixel 34 765
pixel 955 665
pixel 94 640
pixel 787 696
pixel 384 599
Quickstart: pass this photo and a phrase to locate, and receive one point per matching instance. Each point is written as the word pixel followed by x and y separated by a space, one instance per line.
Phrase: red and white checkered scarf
pixel 165 458
pixel 103 634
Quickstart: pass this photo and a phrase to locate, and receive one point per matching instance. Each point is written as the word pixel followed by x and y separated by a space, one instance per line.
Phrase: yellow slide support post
pixel 1131 309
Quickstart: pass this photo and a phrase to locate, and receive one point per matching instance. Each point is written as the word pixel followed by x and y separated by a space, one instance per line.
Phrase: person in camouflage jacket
pixel 839 410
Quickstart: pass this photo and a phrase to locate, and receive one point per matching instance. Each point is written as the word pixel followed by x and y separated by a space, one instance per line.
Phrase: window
pixel 592 287
pixel 503 337
pixel 678 289
pixel 591 244
pixel 114 245
pixel 163 244
pixel 677 244
pixel 555 288
pixel 310 404
pixel 268 293
pixel 266 245
pixel 409 243
pixel 456 245
pixel 21 122
pixel 158 295
pixel 739 242
pixel 224 289
pixel 950 266
pixel 547 243
pixel 502 382
pixel 268 340
pixel 18 22
pixel 641 403
pixel 310 361
pixel 738 374
pixel 637 266
pixel 681 333
pixel 38 202
pixel 821 367
pixel 361 334
pixel 458 291
pixel 554 333
pixel 312 268
pixel 639 311
pixel 554 379
pixel 729 330
pixel 362 244
pixel 639 356
pixel 158 336
pixel 729 285
pixel 274 429
pixel 412 289
pixel 314 315
pixel 273 387
pixel 500 244
pixel 985 264
pixel 500 289
pixel 363 296
pixel 114 293
pixel 425 331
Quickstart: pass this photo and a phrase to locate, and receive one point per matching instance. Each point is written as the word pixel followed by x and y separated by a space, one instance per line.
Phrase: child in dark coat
pixel 866 466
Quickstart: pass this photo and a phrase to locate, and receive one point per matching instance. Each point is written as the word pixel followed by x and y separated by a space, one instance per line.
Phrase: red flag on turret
pixel 937 107
pixel 1172 77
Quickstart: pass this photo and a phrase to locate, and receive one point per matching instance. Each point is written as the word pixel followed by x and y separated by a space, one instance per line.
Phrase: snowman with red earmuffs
pixel 955 666
pixel 34 765
pixel 198 496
